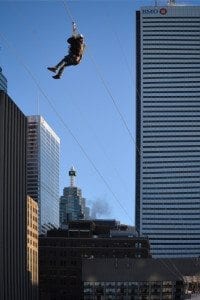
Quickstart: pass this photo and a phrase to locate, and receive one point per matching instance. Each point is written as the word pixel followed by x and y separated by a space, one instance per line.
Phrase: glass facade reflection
pixel 43 152
pixel 3 82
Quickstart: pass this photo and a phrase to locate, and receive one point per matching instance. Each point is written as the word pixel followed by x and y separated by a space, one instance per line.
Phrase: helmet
pixel 80 36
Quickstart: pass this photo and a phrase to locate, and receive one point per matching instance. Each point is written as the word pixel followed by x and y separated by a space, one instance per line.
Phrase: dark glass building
pixel 12 200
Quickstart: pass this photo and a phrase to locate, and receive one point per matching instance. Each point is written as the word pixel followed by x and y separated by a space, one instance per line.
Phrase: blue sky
pixel 95 100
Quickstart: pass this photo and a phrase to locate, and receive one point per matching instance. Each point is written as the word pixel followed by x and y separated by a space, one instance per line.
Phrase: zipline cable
pixel 62 120
pixel 122 50
pixel 139 96
pixel 68 129
pixel 114 102
pixel 170 268
pixel 50 102
pixel 102 80
pixel 101 146
pixel 85 120
pixel 109 92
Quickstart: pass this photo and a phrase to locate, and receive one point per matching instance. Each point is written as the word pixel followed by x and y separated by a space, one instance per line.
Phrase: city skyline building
pixel 3 82
pixel 72 204
pixel 168 122
pixel 61 254
pixel 43 153
pixel 13 130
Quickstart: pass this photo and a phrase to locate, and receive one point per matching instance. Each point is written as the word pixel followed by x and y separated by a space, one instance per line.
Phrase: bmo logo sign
pixel 155 11
pixel 150 11
pixel 163 11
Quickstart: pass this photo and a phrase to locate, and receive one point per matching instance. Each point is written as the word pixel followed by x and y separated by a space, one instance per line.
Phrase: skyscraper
pixel 13 128
pixel 43 149
pixel 168 122
pixel 3 82
pixel 72 204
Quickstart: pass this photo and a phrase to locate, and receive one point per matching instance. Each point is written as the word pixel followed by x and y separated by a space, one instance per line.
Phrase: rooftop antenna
pixel 72 174
pixel 171 2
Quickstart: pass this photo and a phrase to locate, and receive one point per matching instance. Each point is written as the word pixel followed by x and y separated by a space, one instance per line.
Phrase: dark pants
pixel 69 60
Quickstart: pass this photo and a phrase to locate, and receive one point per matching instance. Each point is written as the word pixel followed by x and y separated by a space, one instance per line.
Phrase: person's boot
pixel 56 76
pixel 52 69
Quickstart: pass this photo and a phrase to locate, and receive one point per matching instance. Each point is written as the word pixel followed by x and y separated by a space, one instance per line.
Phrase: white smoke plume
pixel 99 208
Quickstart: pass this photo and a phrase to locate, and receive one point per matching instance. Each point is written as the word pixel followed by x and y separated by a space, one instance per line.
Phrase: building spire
pixel 72 174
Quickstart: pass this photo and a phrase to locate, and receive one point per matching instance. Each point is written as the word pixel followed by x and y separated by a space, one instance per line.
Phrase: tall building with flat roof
pixel 168 122
pixel 43 151
pixel 3 82
pixel 13 129
pixel 61 253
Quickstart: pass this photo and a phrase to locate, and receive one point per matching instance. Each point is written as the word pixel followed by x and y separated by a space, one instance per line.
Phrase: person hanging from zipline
pixel 75 54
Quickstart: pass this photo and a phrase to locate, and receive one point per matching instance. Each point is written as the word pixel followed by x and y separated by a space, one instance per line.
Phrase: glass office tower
pixel 43 171
pixel 168 124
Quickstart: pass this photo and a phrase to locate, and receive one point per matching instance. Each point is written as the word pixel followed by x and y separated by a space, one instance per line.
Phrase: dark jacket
pixel 76 46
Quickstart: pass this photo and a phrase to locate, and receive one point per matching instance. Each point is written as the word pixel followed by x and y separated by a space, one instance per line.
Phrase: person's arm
pixel 71 40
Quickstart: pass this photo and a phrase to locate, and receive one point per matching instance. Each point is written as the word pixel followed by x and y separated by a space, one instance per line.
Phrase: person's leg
pixel 60 67
pixel 61 70
pixel 52 69
pixel 67 61
pixel 60 64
